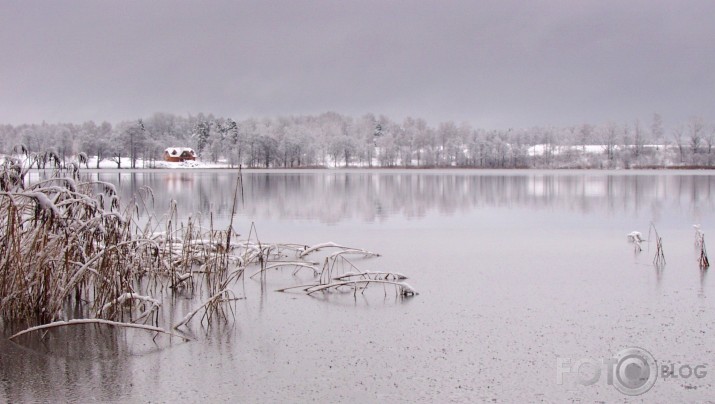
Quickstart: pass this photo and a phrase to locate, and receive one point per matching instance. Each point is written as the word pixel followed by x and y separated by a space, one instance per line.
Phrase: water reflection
pixel 553 289
pixel 332 196
pixel 64 358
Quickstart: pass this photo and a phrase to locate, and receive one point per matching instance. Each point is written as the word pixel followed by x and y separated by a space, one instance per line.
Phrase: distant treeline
pixel 336 140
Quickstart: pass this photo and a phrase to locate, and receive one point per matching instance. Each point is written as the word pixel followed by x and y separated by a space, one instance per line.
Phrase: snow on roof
pixel 178 150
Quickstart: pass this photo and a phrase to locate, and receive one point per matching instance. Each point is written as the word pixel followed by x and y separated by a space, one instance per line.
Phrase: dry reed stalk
pixel 402 288
pixel 59 240
pixel 68 242
pixel 212 305
pixel 703 261
pixel 97 321
pixel 371 275
pixel 297 265
pixel 659 258
pixel 133 297
pixel 358 280
pixel 330 244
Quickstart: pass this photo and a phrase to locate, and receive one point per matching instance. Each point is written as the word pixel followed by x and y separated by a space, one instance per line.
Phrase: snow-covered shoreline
pixel 111 165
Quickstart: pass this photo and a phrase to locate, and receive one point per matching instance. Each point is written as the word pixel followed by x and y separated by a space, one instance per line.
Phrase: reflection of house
pixel 178 182
pixel 179 154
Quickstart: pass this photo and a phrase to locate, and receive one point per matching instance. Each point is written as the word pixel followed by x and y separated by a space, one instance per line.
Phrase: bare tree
pixel 134 139
pixel 709 143
pixel 696 130
pixel 610 140
pixel 678 138
pixel 656 130
pixel 638 140
pixel 585 136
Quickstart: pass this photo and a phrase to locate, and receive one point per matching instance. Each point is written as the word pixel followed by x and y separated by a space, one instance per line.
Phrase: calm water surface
pixel 514 269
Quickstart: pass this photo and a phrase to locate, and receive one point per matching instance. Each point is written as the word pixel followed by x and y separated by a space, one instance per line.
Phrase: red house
pixel 179 154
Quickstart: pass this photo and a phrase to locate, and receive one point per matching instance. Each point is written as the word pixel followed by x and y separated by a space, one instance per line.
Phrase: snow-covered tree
pixel 94 140
pixel 679 139
pixel 609 140
pixel 696 132
pixel 133 139
pixel 639 140
pixel 201 134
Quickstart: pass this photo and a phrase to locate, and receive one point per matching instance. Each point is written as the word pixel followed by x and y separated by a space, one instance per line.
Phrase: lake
pixel 522 277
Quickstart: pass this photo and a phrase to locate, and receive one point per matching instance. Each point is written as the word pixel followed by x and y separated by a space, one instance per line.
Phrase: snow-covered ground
pixel 541 149
pixel 126 163
pixel 572 156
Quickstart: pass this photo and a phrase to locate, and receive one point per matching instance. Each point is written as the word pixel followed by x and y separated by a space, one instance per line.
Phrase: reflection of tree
pixel 331 196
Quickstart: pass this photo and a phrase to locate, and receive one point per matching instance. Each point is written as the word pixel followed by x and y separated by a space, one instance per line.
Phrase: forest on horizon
pixel 335 140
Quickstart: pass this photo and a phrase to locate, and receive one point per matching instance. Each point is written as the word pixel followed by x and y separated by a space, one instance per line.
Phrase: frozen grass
pixel 66 242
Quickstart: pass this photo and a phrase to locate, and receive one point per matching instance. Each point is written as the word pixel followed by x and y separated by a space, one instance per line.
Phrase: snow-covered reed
pixel 635 238
pixel 342 250
pixel 67 242
pixel 341 275
pixel 703 261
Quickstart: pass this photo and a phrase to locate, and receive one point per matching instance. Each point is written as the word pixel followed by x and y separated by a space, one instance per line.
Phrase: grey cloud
pixel 491 63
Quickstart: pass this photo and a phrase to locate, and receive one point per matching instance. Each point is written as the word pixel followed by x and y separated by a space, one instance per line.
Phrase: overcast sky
pixel 494 64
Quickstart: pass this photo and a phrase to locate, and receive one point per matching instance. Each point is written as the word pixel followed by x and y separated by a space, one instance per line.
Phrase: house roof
pixel 176 151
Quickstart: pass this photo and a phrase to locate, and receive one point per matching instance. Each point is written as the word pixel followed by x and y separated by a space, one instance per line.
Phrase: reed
pixel 339 274
pixel 659 258
pixel 635 238
pixel 68 241
pixel 94 321
pixel 703 261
